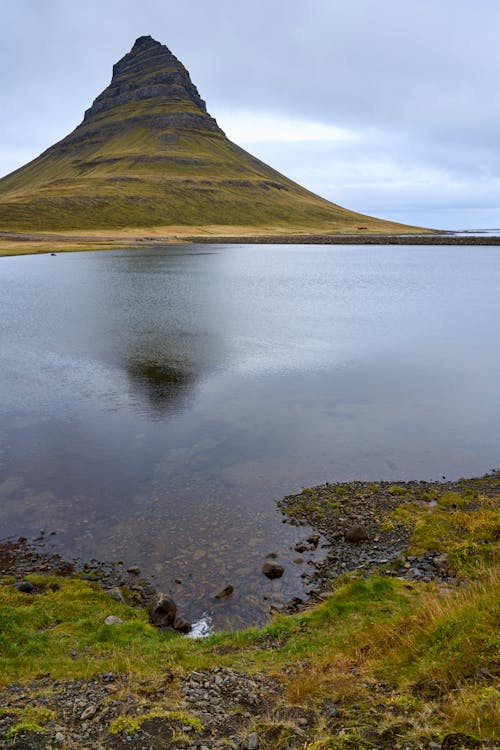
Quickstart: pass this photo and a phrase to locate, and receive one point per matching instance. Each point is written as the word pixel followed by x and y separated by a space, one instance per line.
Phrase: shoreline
pixel 356 521
pixel 331 511
pixel 386 652
pixel 18 243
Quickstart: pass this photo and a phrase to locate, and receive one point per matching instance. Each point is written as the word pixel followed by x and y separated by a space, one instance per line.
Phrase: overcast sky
pixel 388 107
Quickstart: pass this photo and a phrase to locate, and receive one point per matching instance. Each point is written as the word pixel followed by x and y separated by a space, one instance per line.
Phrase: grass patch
pixel 465 529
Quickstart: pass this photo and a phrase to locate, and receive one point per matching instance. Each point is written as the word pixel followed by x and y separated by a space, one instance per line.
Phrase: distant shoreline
pixel 353 239
pixel 36 243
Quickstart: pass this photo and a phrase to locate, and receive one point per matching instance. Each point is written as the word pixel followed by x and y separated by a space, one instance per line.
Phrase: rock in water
pixel 224 593
pixel 163 611
pixel 273 570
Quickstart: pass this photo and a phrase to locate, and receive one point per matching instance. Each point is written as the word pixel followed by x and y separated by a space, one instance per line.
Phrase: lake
pixel 156 402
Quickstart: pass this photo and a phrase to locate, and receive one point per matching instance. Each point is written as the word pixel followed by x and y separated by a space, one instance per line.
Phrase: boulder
pixel 163 611
pixel 116 594
pixel 182 626
pixel 25 586
pixel 273 570
pixel 356 534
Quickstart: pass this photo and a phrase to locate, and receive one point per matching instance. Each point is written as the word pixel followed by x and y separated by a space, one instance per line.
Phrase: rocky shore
pixel 352 519
pixel 431 238
pixel 264 690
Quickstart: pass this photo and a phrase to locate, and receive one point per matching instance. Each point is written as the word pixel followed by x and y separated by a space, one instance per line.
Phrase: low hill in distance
pixel 148 155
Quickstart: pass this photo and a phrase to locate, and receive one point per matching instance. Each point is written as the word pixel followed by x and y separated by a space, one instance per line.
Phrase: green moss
pixel 29 719
pixel 396 489
pixel 131 724
pixel 23 726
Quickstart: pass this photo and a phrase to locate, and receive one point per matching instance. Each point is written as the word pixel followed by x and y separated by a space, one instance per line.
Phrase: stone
pixel 59 738
pixel 134 570
pixel 225 593
pixel 442 561
pixel 326 594
pixel 163 611
pixel 25 586
pixel 113 620
pixel 182 626
pixel 116 594
pixel 300 547
pixel 252 742
pixel 313 540
pixel 89 712
pixel 273 570
pixel 355 534
pixel 329 710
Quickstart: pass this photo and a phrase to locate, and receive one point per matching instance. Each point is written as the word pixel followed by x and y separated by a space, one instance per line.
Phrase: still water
pixel 155 403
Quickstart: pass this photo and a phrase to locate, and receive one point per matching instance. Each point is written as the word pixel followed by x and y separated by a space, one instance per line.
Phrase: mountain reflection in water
pixel 164 388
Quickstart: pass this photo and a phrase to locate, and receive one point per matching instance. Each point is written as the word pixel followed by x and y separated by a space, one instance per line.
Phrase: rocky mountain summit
pixel 148 154
pixel 148 71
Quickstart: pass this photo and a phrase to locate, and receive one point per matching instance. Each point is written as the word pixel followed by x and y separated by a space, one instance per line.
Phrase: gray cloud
pixel 415 81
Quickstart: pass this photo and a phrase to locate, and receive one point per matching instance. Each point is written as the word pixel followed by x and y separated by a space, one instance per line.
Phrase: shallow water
pixel 155 403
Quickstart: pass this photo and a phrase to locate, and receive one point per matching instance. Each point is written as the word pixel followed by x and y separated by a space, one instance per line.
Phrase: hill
pixel 148 154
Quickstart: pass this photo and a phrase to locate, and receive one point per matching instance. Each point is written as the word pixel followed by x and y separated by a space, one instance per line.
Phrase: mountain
pixel 148 154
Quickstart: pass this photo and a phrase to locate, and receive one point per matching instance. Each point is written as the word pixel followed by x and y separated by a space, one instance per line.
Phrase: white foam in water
pixel 202 628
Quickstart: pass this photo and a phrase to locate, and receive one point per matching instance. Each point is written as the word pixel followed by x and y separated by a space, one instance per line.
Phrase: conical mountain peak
pixel 145 42
pixel 148 154
pixel 149 72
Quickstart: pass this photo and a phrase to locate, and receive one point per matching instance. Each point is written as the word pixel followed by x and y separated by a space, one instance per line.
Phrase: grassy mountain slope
pixel 148 154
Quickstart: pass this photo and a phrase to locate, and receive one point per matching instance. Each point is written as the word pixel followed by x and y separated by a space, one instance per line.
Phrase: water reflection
pixel 154 405
pixel 163 387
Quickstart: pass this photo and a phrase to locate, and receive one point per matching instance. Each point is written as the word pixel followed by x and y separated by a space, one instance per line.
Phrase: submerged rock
pixel 273 570
pixel 225 593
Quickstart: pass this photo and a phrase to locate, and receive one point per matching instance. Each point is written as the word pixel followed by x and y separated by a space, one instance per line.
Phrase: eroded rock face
pixel 150 88
pixel 150 71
